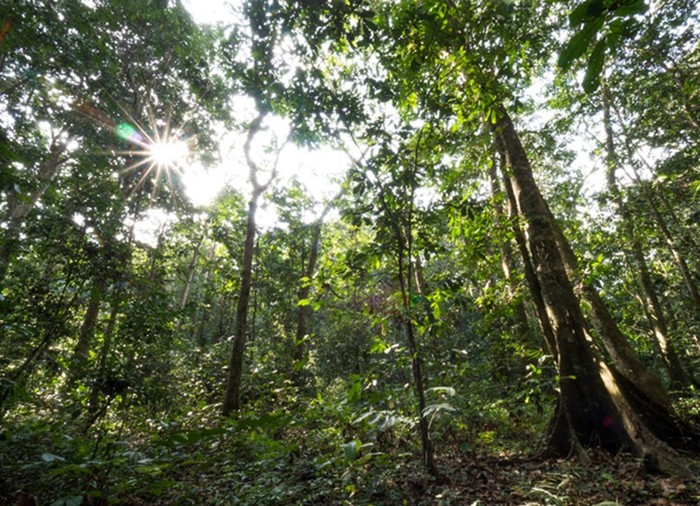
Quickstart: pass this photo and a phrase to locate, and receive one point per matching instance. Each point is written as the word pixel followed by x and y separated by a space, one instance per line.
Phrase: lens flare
pixel 127 132
pixel 170 152
pixel 161 151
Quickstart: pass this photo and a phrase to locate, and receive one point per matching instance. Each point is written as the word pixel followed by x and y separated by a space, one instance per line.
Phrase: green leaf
pixel 578 44
pixel 161 486
pixel 449 391
pixel 433 409
pixel 615 31
pixel 637 7
pixel 586 11
pixel 300 364
pixel 351 449
pixel 50 457
pixel 71 468
pixel 591 80
pixel 436 310
pixel 378 345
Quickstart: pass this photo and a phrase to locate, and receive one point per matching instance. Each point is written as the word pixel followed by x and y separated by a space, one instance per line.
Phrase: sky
pixel 317 170
pixel 209 11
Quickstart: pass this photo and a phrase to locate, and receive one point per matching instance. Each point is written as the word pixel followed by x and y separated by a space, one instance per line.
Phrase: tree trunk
pixel 402 227
pixel 191 268
pixel 18 206
pixel 232 397
pixel 416 366
pixel 520 320
pixel 652 307
pixel 678 257
pixel 87 329
pixel 658 218
pixel 616 344
pixel 304 309
pixel 597 405
pixel 529 270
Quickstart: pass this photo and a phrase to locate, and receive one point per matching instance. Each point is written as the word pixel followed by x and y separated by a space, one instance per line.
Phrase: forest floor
pixel 473 480
pixel 512 480
pixel 305 459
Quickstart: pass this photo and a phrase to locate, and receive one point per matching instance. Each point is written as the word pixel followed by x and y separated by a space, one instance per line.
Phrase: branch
pixel 255 127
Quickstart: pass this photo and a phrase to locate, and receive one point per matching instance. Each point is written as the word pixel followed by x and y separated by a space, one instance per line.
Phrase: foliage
pixel 421 323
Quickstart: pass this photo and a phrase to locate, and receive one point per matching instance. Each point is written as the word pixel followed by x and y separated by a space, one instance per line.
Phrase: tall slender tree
pixel 232 396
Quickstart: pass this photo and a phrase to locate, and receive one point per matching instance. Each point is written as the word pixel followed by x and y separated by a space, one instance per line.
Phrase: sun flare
pixel 161 154
pixel 168 153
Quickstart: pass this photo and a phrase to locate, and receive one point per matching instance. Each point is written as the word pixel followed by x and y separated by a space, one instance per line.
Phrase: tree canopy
pixel 493 299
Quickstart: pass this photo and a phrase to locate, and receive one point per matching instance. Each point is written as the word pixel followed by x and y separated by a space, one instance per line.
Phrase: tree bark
pixel 616 344
pixel 529 270
pixel 520 319
pixel 232 395
pixel 597 405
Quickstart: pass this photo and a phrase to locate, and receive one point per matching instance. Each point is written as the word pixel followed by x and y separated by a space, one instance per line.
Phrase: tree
pixel 653 309
pixel 302 334
pixel 393 182
pixel 65 64
pixel 232 396
pixel 306 100
pixel 596 403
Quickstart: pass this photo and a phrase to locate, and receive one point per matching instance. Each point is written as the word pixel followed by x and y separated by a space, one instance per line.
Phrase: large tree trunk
pixel 529 270
pixel 508 267
pixel 616 344
pixel 597 405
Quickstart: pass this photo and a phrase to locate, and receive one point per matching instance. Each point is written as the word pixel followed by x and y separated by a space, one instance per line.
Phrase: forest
pixel 350 252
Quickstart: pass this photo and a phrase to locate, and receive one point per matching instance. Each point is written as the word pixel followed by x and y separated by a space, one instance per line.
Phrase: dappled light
pixel 349 253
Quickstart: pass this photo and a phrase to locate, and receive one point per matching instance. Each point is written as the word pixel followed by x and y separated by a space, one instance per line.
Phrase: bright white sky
pixel 209 11
pixel 319 171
